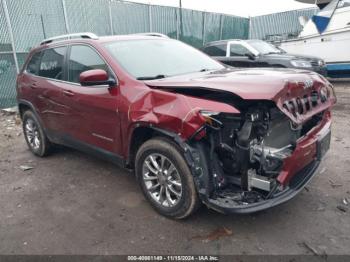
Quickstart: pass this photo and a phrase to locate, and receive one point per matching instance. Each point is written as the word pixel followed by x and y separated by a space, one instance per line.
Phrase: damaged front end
pixel 255 147
pixel 260 158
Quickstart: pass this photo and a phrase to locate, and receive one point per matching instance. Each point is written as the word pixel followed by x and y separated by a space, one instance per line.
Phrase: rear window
pixel 33 65
pixel 51 65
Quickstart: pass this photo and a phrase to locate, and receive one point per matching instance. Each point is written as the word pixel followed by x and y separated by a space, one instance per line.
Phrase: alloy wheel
pixel 162 180
pixel 32 134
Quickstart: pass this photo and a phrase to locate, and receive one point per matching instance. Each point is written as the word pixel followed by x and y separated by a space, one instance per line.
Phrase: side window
pixel 216 50
pixel 51 65
pixel 238 50
pixel 83 58
pixel 33 65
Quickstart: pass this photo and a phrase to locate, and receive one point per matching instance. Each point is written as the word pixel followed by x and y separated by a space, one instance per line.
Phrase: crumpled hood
pixel 278 85
pixel 257 84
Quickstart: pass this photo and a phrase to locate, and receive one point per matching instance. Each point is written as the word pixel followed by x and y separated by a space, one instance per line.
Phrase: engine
pixel 246 151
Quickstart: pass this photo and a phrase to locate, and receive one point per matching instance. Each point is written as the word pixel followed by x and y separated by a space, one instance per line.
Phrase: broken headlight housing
pixel 209 118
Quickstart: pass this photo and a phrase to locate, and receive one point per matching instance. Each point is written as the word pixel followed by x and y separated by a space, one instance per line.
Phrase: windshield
pixel 159 58
pixel 264 48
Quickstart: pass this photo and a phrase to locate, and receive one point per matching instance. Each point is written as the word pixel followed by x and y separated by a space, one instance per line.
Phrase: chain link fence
pixel 23 24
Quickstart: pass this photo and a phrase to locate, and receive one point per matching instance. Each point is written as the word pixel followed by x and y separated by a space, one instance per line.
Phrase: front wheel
pixel 165 178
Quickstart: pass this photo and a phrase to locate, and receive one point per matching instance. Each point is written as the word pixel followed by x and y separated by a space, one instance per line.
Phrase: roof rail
pixel 153 34
pixel 69 36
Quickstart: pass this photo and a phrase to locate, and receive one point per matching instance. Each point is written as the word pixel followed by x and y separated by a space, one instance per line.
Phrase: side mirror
pixel 250 56
pixel 96 77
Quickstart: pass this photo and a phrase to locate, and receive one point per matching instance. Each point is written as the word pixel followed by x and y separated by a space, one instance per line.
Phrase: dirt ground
pixel 72 203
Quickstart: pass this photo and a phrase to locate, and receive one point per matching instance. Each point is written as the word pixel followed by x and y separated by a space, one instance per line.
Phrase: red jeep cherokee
pixel 194 131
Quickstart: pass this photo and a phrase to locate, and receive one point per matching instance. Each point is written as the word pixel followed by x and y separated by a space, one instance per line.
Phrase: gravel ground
pixel 72 203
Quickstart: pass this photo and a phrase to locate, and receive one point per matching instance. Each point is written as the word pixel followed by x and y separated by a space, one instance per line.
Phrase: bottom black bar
pixel 179 258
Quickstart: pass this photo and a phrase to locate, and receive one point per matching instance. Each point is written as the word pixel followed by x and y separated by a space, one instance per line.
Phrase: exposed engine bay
pixel 246 152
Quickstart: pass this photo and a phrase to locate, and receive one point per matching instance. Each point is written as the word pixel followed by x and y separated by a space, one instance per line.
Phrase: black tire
pixel 45 145
pixel 189 202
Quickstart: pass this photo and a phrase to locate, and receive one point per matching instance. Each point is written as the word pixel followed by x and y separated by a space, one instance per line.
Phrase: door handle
pixel 68 93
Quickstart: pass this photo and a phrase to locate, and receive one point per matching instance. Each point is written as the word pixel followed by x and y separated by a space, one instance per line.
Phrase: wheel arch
pixel 142 133
pixel 24 105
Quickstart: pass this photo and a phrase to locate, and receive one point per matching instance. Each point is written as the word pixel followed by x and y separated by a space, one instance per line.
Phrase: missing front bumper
pixel 232 205
pixel 225 192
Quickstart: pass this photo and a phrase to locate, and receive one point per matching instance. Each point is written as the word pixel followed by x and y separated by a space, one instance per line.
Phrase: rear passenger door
pixel 29 81
pixel 46 71
pixel 52 75
pixel 93 118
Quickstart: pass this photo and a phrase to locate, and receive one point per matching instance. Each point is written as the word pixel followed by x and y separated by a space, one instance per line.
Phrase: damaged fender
pixel 176 113
pixel 178 116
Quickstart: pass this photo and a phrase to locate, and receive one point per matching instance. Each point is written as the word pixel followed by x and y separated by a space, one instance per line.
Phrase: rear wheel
pixel 34 134
pixel 165 178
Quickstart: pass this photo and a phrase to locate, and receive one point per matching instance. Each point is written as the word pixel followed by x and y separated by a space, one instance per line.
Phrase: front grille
pixel 304 104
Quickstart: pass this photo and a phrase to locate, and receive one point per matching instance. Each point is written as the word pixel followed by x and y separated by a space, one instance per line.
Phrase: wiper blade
pixel 151 77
